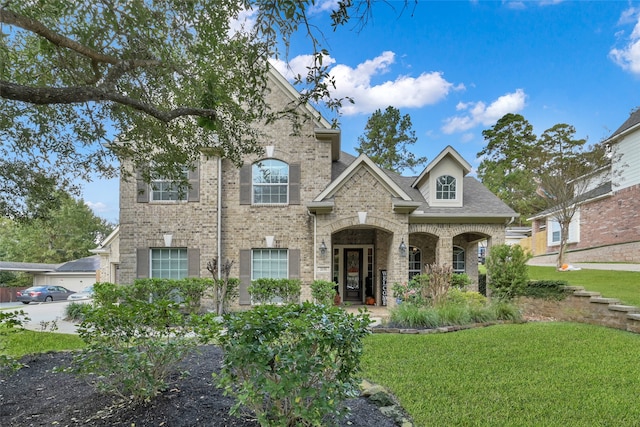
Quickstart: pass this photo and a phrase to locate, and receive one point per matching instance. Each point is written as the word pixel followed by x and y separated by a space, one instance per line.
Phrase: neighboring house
pixel 606 228
pixel 109 256
pixel 74 275
pixel 308 210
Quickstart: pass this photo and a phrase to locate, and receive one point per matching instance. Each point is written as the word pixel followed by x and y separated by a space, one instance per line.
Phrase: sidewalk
pixel 592 266
pixel 44 316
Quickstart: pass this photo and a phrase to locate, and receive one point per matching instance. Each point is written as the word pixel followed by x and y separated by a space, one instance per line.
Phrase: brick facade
pixel 220 224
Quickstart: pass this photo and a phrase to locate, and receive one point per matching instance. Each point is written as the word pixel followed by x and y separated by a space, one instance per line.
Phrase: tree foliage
pixel 553 172
pixel 83 82
pixel 567 171
pixel 65 233
pixel 506 163
pixel 386 139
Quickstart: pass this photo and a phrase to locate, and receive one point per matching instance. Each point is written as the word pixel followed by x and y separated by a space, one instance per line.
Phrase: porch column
pixel 398 271
pixel 444 251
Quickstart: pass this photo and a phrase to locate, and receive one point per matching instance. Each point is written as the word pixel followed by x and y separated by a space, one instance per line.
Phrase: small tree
pixel 224 288
pixel 507 270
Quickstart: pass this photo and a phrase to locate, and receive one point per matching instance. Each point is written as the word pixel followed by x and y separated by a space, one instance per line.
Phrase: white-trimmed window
pixel 163 189
pixel 458 260
pixel 446 188
pixel 270 182
pixel 169 263
pixel 269 263
pixel 415 261
pixel 554 233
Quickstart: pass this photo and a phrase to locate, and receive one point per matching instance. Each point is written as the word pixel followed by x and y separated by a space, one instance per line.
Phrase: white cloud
pixel 403 91
pixel 97 207
pixel 298 65
pixel 628 57
pixel 245 21
pixel 479 113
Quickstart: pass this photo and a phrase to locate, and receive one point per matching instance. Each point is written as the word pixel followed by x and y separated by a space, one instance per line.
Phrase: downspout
pixel 219 219
pixel 315 239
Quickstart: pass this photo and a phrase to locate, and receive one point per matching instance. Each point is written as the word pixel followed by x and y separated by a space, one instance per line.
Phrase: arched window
pixel 270 182
pixel 446 188
pixel 415 261
pixel 458 259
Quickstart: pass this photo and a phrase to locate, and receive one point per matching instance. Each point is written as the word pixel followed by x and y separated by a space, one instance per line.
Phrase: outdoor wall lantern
pixel 403 249
pixel 323 249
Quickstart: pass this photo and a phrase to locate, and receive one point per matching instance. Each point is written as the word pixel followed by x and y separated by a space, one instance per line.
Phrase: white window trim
pixel 449 192
pixel 160 180
pixel 253 184
pixel 574 230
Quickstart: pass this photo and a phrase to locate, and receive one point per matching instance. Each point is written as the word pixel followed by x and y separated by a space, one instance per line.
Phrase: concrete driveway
pixel 44 316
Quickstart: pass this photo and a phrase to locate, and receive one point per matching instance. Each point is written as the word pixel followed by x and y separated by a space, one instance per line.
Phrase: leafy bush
pixel 507 271
pixel 545 289
pixel 292 365
pixel 505 311
pixel 10 322
pixel 460 280
pixel 268 291
pixel 135 344
pixel 75 311
pixel 323 291
pixel 466 298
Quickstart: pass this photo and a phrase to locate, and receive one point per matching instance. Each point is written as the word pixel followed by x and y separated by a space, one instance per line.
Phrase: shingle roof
pixel 592 194
pixel 477 201
pixel 26 266
pixel 634 119
pixel 86 264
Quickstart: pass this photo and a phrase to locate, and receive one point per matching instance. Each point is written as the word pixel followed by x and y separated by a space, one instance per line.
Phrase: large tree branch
pixel 12 18
pixel 80 94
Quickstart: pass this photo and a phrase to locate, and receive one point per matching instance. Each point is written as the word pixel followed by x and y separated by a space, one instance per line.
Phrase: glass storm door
pixel 353 274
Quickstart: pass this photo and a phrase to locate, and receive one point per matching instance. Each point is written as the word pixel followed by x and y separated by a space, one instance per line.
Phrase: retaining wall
pixel 585 307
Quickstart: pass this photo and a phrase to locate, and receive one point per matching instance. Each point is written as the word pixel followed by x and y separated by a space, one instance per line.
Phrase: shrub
pixel 460 280
pixel 507 270
pixel 134 345
pixel 546 289
pixel 292 365
pixel 268 291
pixel 439 283
pixel 466 298
pixel 225 289
pixel 505 311
pixel 75 311
pixel 453 314
pixel 10 322
pixel 323 291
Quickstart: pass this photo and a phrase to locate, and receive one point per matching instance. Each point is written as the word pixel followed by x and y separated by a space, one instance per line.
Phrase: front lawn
pixel 561 374
pixel 18 343
pixel 624 285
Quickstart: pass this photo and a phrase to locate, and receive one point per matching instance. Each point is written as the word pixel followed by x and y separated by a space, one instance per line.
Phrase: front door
pixel 353 275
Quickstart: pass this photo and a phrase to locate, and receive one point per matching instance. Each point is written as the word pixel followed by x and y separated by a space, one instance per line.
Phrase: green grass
pixel 535 374
pixel 21 342
pixel 624 285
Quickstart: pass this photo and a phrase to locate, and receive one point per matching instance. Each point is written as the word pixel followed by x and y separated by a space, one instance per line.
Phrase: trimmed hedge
pixel 546 289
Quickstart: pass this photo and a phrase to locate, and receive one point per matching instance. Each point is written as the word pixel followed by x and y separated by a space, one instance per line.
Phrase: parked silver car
pixel 43 294
pixel 86 293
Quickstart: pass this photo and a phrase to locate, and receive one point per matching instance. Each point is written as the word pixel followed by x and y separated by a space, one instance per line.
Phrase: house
pixel 74 275
pixel 606 227
pixel 307 210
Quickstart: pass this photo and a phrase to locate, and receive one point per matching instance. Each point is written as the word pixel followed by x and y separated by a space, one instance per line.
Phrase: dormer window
pixel 270 182
pixel 446 188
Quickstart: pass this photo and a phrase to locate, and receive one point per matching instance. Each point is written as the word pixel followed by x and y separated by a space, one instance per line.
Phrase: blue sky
pixel 456 67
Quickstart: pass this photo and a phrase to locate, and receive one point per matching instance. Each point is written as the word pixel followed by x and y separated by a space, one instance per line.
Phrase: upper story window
pixel 270 182
pixel 163 189
pixel 446 188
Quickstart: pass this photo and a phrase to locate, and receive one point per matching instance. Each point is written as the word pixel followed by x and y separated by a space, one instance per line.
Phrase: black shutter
pixel 142 263
pixel 245 185
pixel 294 263
pixel 194 184
pixel 245 276
pixel 193 262
pixel 294 184
pixel 142 189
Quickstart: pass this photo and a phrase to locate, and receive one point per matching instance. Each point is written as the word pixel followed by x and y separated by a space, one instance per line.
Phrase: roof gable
pixel 363 161
pixel 448 151
pixel 630 125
